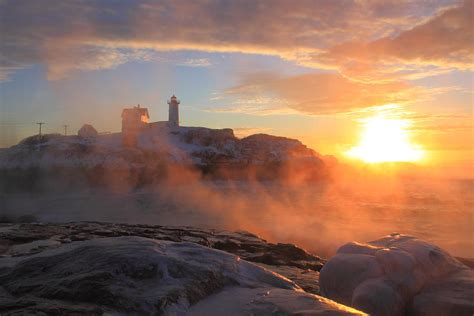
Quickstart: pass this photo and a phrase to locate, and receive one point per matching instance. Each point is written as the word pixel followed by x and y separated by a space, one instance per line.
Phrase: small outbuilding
pixel 87 131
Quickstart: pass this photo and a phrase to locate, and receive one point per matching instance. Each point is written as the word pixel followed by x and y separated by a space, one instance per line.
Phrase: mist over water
pixel 319 216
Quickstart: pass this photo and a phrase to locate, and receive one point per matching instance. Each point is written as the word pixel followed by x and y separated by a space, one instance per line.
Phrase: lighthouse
pixel 173 113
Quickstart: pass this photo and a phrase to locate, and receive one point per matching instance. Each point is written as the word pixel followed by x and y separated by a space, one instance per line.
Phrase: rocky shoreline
pixel 97 268
pixel 93 268
pixel 285 259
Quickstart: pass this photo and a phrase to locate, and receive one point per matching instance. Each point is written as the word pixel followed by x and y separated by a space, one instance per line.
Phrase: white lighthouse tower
pixel 173 113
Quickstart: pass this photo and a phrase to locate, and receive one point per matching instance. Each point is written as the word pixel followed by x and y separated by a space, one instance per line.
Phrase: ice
pixel 396 274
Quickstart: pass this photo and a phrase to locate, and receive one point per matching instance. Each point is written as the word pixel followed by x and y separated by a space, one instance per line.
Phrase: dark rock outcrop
pixel 286 259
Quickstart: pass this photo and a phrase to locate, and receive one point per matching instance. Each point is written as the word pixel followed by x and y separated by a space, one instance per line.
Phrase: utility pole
pixel 65 129
pixel 40 124
pixel 39 134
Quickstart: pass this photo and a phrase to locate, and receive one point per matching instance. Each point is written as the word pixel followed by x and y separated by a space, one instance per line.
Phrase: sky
pixel 312 70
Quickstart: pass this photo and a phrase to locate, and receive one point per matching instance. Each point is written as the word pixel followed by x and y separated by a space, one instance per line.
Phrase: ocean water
pixel 319 217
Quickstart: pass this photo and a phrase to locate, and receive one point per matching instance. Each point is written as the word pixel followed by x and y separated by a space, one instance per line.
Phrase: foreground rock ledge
pixel 286 259
pixel 140 275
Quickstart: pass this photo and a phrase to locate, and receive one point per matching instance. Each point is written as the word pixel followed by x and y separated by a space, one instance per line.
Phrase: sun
pixel 386 140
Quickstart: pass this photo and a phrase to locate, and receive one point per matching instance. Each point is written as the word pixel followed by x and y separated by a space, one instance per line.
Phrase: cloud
pixel 90 58
pixel 314 93
pixel 329 93
pixel 249 100
pixel 445 128
pixel 441 124
pixel 196 62
pixel 101 35
pixel 445 41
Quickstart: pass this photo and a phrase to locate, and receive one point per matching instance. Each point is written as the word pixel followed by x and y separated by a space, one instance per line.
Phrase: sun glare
pixel 385 140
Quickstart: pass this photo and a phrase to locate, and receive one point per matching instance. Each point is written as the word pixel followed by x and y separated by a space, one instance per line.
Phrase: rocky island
pixel 159 155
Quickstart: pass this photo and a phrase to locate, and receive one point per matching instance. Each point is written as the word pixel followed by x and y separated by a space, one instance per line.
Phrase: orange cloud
pixel 445 41
pixel 315 93
pixel 71 35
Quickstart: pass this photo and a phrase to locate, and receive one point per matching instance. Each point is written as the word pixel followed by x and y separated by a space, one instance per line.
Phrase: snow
pixel 385 276
pixel 188 145
pixel 138 275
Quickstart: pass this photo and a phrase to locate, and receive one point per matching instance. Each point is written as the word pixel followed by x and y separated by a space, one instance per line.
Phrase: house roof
pixel 136 109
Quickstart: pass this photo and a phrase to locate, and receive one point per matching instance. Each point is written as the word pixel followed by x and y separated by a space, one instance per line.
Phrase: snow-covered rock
pixel 193 145
pixel 263 147
pixel 138 275
pixel 398 274
pixel 213 153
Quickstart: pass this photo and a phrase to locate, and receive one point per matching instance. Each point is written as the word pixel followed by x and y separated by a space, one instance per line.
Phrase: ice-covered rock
pixel 237 301
pixel 285 259
pixel 121 275
pixel 343 273
pixel 398 274
pixel 452 295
